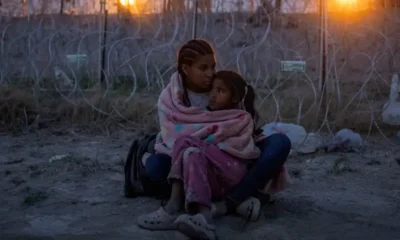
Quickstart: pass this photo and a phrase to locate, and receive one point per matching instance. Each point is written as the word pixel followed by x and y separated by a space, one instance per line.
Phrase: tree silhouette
pixel 179 5
pixel 278 5
pixel 61 7
pixel 174 5
pixel 264 13
pixel 205 5
pixel 389 3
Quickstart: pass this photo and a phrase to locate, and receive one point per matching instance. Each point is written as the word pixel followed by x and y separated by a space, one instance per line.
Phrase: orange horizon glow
pixel 346 2
pixel 134 6
pixel 349 5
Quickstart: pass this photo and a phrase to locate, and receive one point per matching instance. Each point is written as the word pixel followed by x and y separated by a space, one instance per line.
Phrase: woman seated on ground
pixel 211 155
pixel 196 68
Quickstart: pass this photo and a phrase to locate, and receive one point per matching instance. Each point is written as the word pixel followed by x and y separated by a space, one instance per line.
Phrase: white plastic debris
pixel 391 110
pixel 61 76
pixel 302 142
pixel 345 140
pixel 297 134
pixel 58 158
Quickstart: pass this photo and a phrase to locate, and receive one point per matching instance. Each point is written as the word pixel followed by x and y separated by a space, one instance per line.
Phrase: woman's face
pixel 200 74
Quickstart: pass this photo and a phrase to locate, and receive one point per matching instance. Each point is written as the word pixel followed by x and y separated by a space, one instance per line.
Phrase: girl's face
pixel 220 96
pixel 200 74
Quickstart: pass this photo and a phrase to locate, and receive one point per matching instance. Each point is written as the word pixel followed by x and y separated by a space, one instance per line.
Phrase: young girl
pixel 202 170
pixel 231 91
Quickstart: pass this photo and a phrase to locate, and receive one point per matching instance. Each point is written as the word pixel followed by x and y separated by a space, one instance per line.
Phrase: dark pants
pixel 274 152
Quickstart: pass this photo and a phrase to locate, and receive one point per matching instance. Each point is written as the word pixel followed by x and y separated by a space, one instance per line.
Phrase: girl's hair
pixel 189 54
pixel 241 91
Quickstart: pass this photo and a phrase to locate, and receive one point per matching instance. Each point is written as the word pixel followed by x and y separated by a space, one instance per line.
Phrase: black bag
pixel 137 183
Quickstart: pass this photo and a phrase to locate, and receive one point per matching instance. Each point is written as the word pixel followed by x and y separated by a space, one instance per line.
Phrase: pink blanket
pixel 230 130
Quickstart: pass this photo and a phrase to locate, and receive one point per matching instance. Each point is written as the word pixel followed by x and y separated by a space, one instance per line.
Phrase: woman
pixel 210 153
pixel 196 67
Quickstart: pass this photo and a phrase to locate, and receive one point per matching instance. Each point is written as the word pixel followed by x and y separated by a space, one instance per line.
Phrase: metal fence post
pixel 196 6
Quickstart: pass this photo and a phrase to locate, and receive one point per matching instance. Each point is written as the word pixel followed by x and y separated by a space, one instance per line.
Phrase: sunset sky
pixel 91 6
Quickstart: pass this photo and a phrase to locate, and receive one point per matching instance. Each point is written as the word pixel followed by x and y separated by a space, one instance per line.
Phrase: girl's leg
pixel 199 224
pixel 191 166
pixel 207 172
pixel 198 164
pixel 163 218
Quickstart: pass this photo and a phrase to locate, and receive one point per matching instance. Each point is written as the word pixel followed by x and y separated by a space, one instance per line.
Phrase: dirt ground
pixel 333 196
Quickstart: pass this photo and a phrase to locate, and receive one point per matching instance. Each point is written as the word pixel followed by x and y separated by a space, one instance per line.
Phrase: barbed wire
pixel 59 54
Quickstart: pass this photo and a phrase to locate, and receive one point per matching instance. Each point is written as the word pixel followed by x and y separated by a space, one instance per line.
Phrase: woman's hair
pixel 241 91
pixel 189 54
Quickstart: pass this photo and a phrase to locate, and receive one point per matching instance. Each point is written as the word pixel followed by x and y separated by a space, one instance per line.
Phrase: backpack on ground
pixel 137 183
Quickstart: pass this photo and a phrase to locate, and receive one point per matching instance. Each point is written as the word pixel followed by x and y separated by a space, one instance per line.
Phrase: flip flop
pixel 195 227
pixel 158 220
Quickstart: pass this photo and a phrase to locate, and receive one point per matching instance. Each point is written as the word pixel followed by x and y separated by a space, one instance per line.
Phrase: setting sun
pixel 135 6
pixel 127 2
pixel 348 5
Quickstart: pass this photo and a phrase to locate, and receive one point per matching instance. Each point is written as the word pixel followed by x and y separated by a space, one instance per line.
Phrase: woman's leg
pixel 176 200
pixel 274 151
pixel 157 167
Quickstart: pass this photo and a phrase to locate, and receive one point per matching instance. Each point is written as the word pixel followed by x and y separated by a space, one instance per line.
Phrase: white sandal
pixel 158 220
pixel 195 227
pixel 250 209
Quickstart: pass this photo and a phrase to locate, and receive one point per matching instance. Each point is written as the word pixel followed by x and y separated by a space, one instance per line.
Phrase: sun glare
pixel 349 5
pixel 134 6
pixel 127 2
pixel 346 3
